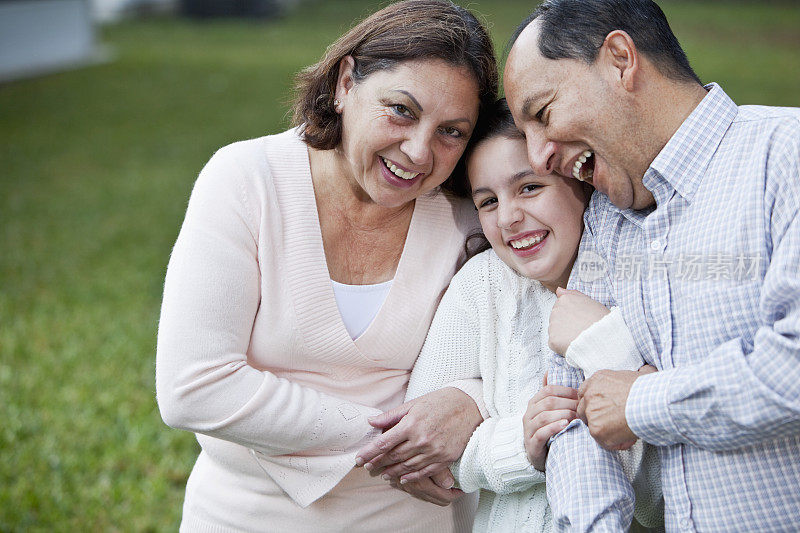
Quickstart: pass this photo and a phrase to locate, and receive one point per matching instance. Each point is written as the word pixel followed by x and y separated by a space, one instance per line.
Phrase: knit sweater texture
pixel 492 323
pixel 254 358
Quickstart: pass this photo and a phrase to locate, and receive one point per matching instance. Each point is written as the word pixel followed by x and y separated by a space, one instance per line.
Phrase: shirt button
pixel 655 245
pixel 686 524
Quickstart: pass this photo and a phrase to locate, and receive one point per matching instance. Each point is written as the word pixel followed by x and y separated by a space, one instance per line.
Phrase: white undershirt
pixel 359 304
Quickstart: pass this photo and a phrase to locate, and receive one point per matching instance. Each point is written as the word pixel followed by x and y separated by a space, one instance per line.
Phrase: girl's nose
pixel 508 214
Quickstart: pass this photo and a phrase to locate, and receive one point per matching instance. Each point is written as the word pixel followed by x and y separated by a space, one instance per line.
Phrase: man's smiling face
pixel 578 120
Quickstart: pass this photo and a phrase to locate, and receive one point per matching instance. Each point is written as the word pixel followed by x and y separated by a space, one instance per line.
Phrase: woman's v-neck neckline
pixel 319 318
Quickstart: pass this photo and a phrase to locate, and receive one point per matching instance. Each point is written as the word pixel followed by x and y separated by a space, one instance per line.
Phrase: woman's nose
pixel 417 146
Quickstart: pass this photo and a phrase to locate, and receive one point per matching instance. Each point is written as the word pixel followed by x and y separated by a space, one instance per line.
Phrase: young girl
pixel 492 323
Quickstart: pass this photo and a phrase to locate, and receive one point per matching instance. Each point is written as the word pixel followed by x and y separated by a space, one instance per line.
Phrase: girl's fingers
pixel 543 435
pixel 443 478
pixel 551 403
pixel 548 417
pixel 398 470
pixel 425 489
pixel 555 390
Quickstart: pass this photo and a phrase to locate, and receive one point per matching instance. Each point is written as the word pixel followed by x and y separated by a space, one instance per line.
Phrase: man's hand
pixel 601 405
pixel 572 313
pixel 422 436
pixel 549 411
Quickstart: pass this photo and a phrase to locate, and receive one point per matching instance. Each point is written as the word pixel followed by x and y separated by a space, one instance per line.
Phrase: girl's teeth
pixel 525 243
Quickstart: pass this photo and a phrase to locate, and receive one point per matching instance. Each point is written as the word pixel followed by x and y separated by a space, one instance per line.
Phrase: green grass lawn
pixel 97 166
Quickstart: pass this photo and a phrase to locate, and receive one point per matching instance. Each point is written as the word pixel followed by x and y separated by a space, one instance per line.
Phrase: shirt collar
pixel 682 162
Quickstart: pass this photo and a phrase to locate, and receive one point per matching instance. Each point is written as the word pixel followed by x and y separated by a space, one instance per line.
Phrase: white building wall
pixel 38 36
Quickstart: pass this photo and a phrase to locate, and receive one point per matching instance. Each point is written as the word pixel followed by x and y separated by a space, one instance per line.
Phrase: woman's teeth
pixel 399 172
pixel 576 170
pixel 526 242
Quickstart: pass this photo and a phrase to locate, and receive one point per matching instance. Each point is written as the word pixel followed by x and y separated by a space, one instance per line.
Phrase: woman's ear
pixel 345 80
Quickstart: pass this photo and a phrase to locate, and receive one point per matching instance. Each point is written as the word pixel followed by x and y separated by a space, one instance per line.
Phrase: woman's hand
pixel 422 437
pixel 572 313
pixel 549 411
pixel 430 489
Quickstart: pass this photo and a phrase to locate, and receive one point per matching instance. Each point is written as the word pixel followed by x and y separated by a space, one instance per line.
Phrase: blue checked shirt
pixel 709 282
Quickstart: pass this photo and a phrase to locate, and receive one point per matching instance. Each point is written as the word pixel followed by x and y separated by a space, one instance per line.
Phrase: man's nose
pixel 542 154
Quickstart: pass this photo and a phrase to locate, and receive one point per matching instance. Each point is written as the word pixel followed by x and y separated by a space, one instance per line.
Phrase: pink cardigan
pixel 252 353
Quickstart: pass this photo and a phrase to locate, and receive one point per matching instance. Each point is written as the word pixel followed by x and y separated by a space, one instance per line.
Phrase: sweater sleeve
pixel 211 296
pixel 495 458
pixel 606 344
pixel 449 357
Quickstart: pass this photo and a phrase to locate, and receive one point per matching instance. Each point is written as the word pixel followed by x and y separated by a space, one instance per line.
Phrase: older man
pixel 695 234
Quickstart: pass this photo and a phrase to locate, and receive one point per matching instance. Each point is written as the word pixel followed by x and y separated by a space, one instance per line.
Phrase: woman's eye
pixel 531 187
pixel 402 110
pixel 452 132
pixel 540 113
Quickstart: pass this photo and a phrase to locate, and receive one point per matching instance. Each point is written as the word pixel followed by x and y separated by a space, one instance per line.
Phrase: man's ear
pixel 345 80
pixel 621 57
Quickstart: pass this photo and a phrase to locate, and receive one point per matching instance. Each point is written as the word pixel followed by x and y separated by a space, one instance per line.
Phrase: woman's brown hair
pixel 403 31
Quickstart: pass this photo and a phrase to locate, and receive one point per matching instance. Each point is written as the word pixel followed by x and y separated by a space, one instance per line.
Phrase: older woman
pixel 306 274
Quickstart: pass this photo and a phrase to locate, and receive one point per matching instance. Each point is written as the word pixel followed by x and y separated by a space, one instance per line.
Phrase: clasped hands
pixel 424 436
pixel 600 403
pixel 421 439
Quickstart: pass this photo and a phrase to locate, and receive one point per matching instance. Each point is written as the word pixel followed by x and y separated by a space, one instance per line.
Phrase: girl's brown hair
pixel 403 31
pixel 498 123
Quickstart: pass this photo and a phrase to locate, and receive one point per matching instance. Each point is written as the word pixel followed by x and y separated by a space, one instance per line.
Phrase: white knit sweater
pixel 492 323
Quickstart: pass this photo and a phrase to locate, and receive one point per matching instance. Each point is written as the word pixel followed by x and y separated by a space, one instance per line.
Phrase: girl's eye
pixel 452 132
pixel 487 202
pixel 531 187
pixel 402 110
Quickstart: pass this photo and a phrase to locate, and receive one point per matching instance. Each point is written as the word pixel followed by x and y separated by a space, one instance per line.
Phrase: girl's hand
pixel 549 411
pixel 572 313
pixel 424 435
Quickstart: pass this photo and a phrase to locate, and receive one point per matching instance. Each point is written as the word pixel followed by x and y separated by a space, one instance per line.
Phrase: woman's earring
pixel 337 105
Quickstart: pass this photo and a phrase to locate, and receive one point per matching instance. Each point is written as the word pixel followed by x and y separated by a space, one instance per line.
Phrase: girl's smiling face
pixel 533 223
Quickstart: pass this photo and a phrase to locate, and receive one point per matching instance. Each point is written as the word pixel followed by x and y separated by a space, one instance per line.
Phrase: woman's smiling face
pixel 533 223
pixel 404 129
